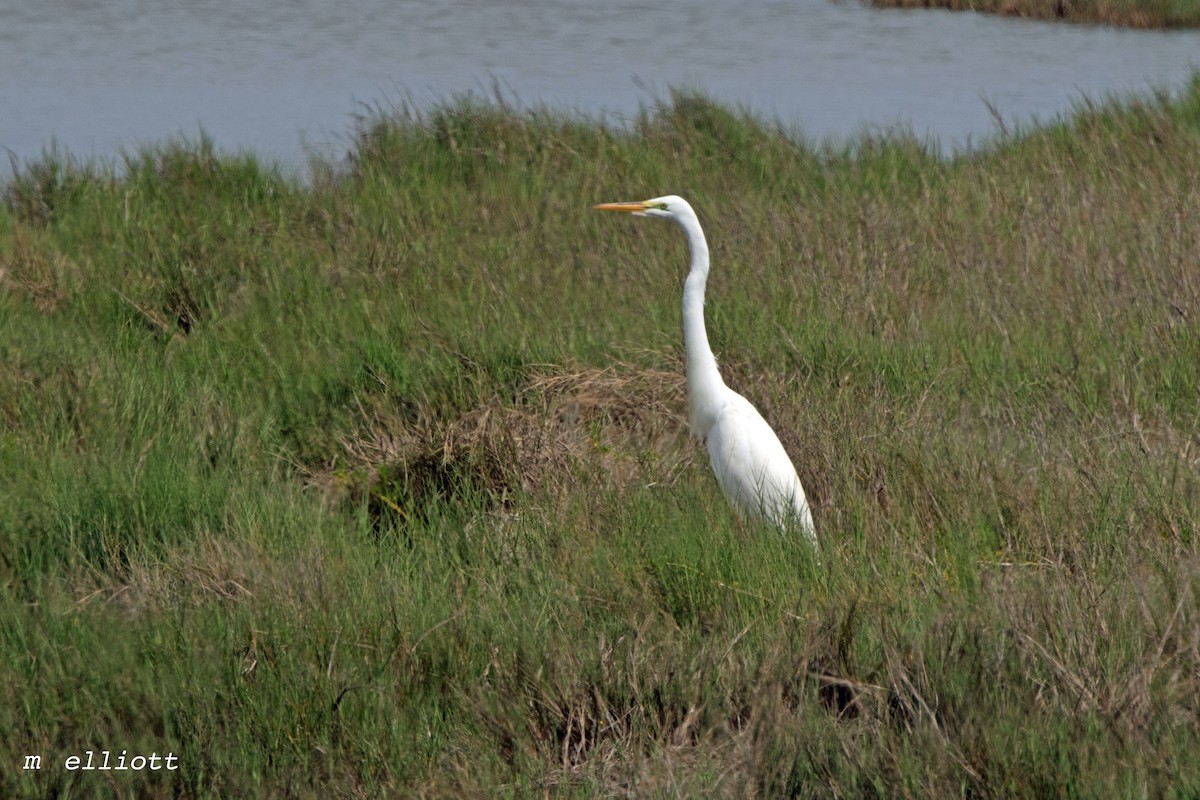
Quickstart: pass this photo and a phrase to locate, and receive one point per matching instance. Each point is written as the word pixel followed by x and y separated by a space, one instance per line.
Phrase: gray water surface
pixel 275 76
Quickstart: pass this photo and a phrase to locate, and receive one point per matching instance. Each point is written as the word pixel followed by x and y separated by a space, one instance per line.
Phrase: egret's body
pixel 747 457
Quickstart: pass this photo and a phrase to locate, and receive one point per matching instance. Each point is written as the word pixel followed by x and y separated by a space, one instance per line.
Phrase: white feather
pixel 754 470
pixel 747 457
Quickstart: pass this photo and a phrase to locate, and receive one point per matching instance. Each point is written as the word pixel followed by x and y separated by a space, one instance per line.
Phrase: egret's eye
pixel 662 206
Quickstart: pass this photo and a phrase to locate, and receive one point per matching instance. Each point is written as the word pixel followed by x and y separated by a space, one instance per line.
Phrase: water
pixel 277 76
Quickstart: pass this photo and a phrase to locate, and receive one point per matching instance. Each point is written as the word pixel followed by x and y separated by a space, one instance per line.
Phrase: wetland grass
pixel 380 485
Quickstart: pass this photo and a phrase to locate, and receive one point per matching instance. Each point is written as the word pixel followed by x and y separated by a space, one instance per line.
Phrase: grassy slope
pixel 384 484
pixel 1125 13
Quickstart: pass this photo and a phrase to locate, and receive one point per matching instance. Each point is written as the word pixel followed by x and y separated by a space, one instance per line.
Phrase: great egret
pixel 750 463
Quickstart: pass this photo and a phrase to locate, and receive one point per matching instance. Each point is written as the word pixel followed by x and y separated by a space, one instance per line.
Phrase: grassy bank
pixel 1123 13
pixel 382 484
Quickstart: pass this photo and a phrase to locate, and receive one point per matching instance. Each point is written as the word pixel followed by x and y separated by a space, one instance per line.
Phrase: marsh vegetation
pixel 381 483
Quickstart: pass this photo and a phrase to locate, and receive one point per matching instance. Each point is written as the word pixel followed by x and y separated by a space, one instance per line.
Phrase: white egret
pixel 747 457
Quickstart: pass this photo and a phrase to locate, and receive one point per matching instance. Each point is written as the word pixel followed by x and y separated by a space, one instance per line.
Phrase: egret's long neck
pixel 705 387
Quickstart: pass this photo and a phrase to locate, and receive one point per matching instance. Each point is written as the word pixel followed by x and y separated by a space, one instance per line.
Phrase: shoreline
pixel 1142 16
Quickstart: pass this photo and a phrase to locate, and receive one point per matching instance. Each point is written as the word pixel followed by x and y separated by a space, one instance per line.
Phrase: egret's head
pixel 669 207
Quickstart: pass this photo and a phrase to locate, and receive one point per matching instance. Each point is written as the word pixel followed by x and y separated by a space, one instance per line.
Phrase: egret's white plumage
pixel 750 463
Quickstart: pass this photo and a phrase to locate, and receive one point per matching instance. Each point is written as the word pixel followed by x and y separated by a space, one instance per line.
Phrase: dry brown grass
pixel 215 571
pixel 625 422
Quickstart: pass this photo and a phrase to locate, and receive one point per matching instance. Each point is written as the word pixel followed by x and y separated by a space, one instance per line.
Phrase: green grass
pixel 1122 13
pixel 381 484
